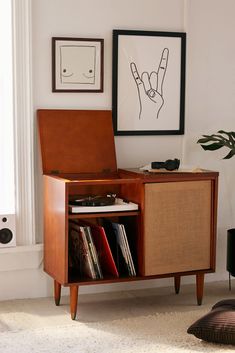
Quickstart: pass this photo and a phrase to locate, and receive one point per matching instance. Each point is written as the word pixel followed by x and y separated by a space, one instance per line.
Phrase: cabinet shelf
pixel 105 280
pixel 109 279
pixel 103 214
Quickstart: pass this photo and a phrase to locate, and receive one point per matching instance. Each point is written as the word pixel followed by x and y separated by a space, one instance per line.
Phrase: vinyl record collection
pixel 100 251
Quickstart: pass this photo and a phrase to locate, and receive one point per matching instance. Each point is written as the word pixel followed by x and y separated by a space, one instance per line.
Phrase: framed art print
pixel 77 64
pixel 148 82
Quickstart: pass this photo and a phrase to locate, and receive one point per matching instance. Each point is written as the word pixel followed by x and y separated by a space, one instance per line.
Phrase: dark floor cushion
pixel 218 325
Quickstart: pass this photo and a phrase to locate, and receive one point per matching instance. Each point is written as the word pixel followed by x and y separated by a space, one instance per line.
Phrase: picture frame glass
pixel 148 82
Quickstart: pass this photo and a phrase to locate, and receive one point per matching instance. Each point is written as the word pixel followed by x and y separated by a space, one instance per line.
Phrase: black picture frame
pixel 148 93
pixel 77 64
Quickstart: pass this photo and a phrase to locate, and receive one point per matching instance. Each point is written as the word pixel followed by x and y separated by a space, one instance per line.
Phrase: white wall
pixel 210 101
pixel 97 19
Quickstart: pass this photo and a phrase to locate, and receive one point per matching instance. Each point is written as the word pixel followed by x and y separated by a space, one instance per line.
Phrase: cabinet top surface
pixel 76 141
pixel 163 175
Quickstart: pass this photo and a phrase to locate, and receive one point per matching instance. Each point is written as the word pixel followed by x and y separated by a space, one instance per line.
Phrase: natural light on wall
pixel 7 182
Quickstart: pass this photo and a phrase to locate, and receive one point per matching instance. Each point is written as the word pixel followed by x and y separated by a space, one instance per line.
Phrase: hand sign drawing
pixel 150 87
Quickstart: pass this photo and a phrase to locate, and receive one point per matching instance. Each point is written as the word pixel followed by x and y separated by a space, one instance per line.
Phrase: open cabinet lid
pixel 76 141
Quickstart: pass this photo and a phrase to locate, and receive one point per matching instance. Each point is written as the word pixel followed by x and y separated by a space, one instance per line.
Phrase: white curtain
pixel 7 179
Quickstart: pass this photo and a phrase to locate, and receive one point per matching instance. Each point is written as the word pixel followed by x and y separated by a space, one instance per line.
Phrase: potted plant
pixel 216 141
pixel 211 143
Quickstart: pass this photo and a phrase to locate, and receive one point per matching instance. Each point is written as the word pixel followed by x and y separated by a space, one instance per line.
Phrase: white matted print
pixel 148 82
pixel 77 65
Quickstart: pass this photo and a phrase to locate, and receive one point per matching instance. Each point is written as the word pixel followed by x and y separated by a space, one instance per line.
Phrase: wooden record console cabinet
pixel 173 232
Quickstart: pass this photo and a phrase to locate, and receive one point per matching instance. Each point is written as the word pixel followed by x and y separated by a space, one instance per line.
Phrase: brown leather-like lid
pixel 76 141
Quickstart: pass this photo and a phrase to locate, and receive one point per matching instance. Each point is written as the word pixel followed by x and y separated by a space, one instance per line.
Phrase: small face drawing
pixel 77 64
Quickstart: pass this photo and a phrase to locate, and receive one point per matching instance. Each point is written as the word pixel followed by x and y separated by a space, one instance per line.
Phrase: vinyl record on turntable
pixel 93 200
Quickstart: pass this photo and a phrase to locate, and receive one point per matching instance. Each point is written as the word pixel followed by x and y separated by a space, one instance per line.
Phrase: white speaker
pixel 7 230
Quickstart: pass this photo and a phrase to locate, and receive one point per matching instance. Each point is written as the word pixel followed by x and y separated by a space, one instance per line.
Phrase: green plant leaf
pixel 220 139
pixel 226 132
pixel 230 154
pixel 204 140
pixel 230 135
pixel 215 137
pixel 212 147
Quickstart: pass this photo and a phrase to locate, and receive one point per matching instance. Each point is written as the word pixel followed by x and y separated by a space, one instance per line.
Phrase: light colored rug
pixel 158 333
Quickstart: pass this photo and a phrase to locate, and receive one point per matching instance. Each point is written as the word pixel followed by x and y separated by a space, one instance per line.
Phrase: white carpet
pixel 158 333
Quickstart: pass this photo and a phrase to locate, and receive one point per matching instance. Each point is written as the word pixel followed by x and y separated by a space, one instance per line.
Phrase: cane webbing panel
pixel 177 226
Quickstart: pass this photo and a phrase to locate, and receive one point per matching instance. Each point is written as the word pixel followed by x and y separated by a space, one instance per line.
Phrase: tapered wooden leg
pixel 200 287
pixel 177 284
pixel 73 301
pixel 57 292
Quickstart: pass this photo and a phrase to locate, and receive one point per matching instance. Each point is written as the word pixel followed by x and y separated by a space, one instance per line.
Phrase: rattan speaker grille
pixel 177 227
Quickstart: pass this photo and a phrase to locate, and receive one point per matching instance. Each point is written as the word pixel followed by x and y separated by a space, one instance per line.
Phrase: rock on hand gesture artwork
pixel 150 88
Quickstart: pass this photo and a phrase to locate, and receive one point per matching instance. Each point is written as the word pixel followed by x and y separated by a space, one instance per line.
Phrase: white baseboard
pixel 22 276
pixel 34 283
